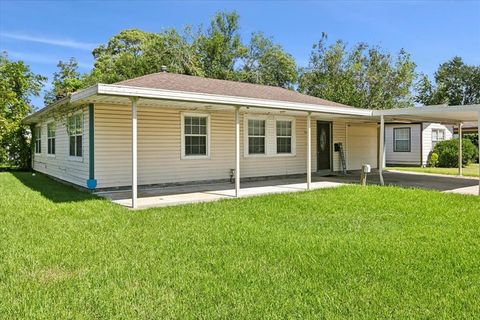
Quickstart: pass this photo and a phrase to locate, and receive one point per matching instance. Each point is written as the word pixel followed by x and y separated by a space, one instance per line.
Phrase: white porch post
pixel 134 152
pixel 309 150
pixel 237 151
pixel 460 169
pixel 382 149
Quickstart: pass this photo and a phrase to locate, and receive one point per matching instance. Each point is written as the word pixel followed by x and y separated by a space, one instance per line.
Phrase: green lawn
pixel 350 252
pixel 470 171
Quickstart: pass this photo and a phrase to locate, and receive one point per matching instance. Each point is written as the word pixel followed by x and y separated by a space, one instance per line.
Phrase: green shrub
pixel 433 161
pixel 448 153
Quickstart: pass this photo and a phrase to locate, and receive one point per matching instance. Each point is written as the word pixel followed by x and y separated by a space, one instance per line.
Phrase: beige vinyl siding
pixel 159 148
pixel 403 158
pixel 338 136
pixel 363 145
pixel 427 138
pixel 61 164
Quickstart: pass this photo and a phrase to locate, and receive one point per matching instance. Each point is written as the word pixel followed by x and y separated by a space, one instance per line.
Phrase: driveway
pixel 415 180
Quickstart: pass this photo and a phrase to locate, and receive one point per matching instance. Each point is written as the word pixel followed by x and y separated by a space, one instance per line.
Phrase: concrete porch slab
pixel 171 196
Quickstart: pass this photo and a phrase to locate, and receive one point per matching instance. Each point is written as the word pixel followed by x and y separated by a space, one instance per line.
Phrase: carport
pixel 449 115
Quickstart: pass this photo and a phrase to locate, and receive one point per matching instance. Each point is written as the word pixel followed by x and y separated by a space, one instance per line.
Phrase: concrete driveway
pixel 444 183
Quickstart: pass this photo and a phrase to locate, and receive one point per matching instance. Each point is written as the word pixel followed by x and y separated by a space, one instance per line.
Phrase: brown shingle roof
pixel 180 82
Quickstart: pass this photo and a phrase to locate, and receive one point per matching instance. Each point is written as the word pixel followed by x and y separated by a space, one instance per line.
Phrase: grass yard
pixel 469 171
pixel 349 252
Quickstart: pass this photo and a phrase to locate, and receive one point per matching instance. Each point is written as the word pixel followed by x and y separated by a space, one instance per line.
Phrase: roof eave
pixel 161 94
pixel 88 92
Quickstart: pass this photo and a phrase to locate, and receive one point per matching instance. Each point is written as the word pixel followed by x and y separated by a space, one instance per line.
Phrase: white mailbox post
pixel 366 168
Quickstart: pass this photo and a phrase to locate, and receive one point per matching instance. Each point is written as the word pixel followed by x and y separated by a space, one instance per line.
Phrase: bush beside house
pixel 448 153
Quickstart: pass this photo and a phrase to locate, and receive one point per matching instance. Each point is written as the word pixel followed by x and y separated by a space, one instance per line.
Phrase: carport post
pixel 309 150
pixel 460 148
pixel 382 150
pixel 134 152
pixel 237 151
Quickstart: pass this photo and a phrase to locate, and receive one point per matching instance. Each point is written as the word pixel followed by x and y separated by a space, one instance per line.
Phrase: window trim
pixel 183 156
pixel 52 155
pixel 409 139
pixel 292 137
pixel 38 138
pixel 436 141
pixel 246 136
pixel 82 119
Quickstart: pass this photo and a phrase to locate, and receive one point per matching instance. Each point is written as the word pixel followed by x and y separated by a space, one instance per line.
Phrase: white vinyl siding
pixel 61 166
pixel 428 139
pixel 421 143
pixel 363 145
pixel 403 158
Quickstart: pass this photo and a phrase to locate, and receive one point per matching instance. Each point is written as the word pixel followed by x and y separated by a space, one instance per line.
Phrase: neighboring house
pixel 411 144
pixel 164 129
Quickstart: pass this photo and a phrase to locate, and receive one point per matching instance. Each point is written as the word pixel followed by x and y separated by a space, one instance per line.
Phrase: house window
pixel 437 135
pixel 401 140
pixel 38 139
pixel 51 138
pixel 256 136
pixel 195 133
pixel 284 136
pixel 75 133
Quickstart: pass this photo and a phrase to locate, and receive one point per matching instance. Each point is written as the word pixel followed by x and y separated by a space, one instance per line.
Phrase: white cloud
pixel 43 58
pixel 68 43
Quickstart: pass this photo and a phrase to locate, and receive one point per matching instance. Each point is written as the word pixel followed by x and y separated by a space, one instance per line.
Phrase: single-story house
pixel 164 128
pixel 410 144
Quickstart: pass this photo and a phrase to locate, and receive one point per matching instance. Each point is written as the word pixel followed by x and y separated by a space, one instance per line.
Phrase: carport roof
pixel 439 113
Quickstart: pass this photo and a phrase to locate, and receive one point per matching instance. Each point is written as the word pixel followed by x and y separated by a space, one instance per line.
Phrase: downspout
pixel 91 182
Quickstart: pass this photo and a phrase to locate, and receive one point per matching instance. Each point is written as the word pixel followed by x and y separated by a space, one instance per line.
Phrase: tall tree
pixel 364 77
pixel 121 58
pixel 456 83
pixel 17 85
pixel 133 53
pixel 267 63
pixel 65 81
pixel 216 52
pixel 220 48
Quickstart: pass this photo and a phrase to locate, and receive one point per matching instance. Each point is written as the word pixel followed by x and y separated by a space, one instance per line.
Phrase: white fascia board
pixel 128 91
pixel 85 93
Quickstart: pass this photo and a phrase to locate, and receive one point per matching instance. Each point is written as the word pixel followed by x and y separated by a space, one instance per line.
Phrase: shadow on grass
pixel 51 189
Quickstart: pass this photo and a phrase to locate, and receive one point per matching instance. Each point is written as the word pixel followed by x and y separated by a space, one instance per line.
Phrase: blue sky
pixel 41 32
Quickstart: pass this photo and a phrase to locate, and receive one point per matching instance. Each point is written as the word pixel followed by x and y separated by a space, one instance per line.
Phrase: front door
pixel 323 146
